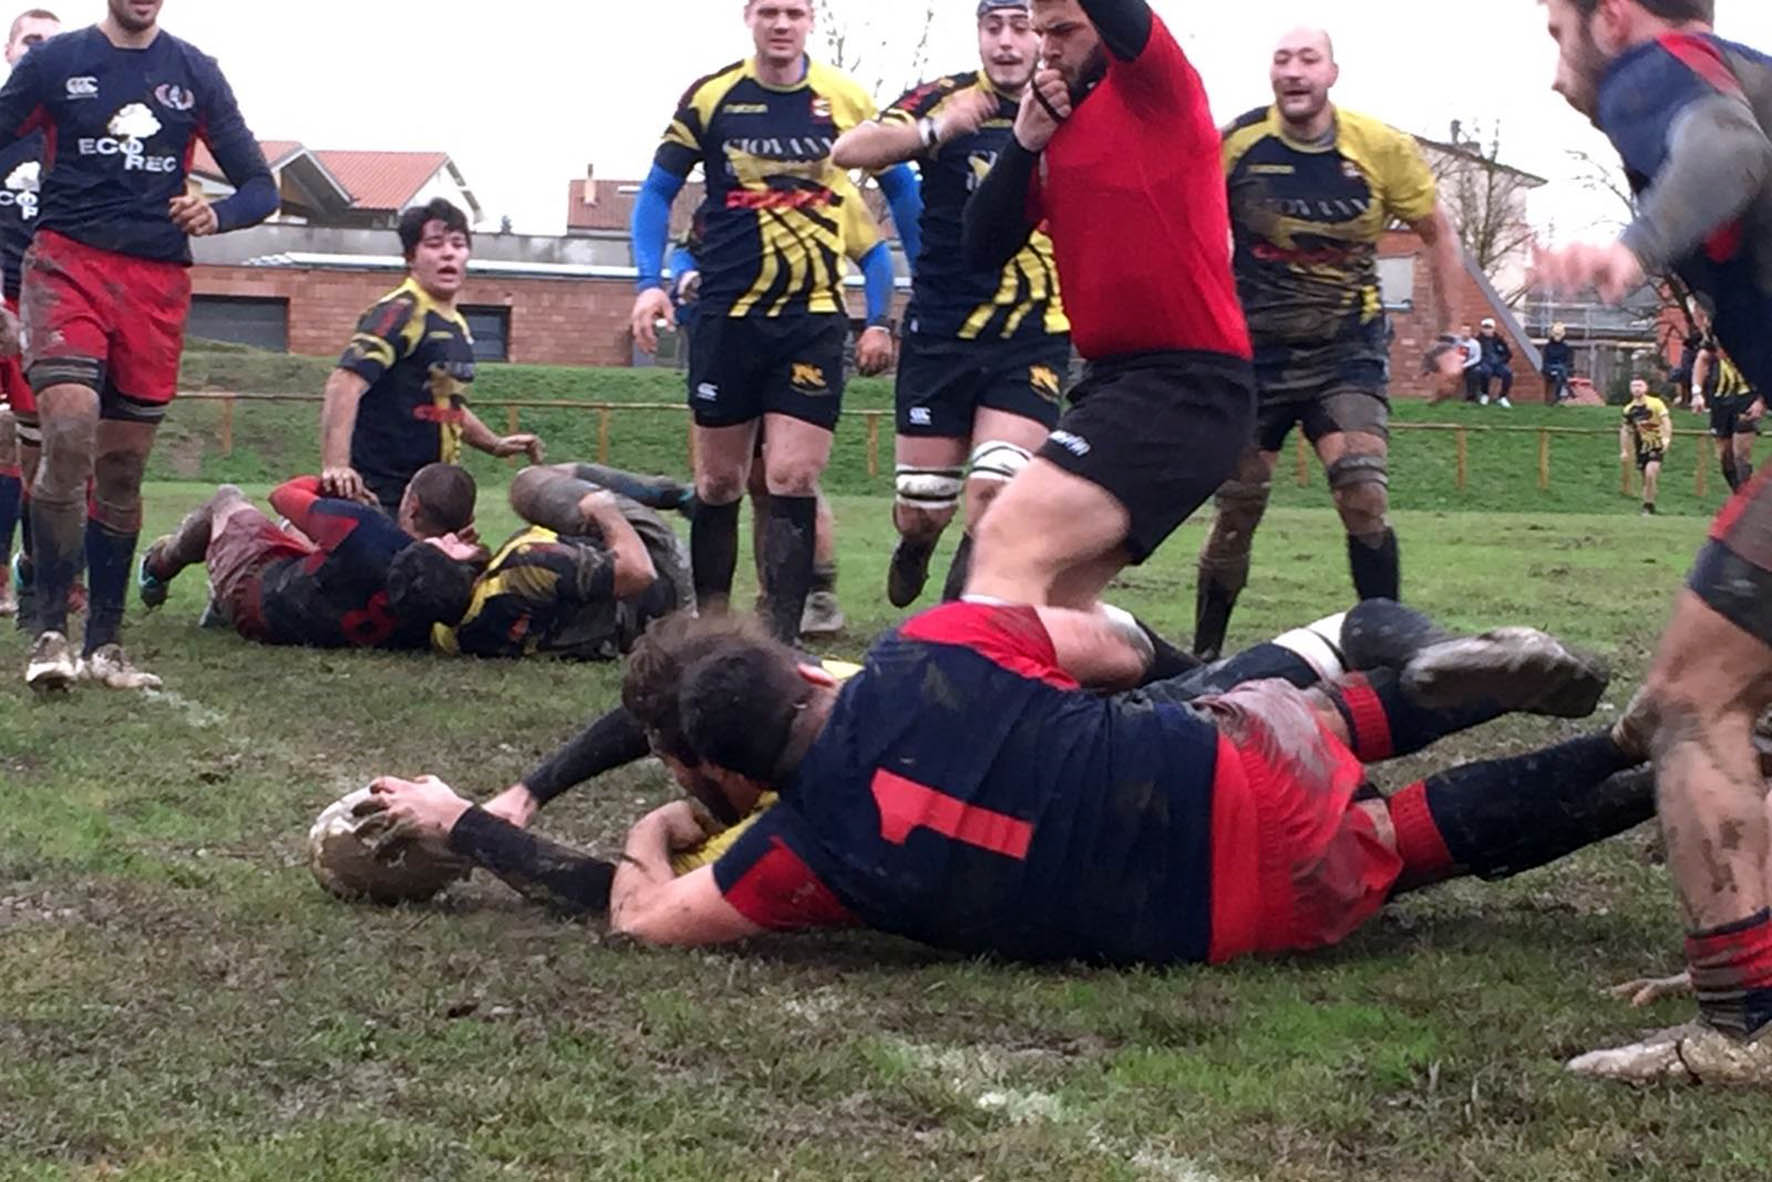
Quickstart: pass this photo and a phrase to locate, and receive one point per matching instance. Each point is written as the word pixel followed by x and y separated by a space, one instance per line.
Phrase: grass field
pixel 178 1000
pixel 272 440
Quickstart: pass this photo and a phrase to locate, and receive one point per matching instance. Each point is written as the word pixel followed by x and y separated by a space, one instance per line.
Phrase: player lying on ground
pixel 352 577
pixel 965 790
pixel 1689 114
pixel 593 568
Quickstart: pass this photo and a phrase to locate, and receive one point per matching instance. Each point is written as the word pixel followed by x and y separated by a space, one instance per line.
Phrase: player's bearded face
pixel 1069 43
pixel 1301 77
pixel 1008 47
pixel 440 262
pixel 135 15
pixel 779 28
pixel 1580 59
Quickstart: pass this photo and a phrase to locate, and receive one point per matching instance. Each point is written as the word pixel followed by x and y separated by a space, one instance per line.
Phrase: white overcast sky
pixel 525 93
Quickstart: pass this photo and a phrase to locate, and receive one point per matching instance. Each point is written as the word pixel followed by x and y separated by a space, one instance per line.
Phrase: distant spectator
pixel 1559 365
pixel 1496 364
pixel 1473 363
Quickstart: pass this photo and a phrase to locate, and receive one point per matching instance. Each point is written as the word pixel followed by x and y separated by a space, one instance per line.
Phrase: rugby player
pixel 1114 149
pixel 351 577
pixel 985 349
pixel 770 325
pixel 965 791
pixel 105 296
pixel 1645 434
pixel 21 167
pixel 1735 411
pixel 398 397
pixel 1689 114
pixel 588 574
pixel 1313 187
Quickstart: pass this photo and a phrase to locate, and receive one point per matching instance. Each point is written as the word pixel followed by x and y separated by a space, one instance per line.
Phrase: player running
pixel 398 399
pixel 1114 149
pixel 1735 411
pixel 1646 434
pixel 21 166
pixel 985 349
pixel 594 567
pixel 350 578
pixel 1690 113
pixel 770 326
pixel 1313 187
pixel 106 294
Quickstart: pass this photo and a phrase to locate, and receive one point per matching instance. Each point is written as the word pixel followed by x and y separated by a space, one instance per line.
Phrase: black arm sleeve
pixel 996 219
pixel 536 868
pixel 614 740
pixel 1124 25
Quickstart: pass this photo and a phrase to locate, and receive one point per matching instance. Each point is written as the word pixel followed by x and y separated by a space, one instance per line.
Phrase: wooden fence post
pixel 1464 459
pixel 1302 473
pixel 692 447
pixel 227 426
pixel 873 443
pixel 510 420
pixel 1624 482
pixel 1544 444
pixel 603 413
pixel 1698 481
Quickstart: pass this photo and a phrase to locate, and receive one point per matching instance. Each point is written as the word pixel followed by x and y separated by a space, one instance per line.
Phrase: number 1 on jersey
pixel 906 805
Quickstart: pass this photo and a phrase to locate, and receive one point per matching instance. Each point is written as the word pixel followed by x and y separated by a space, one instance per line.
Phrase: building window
pixel 492 332
pixel 1396 283
pixel 260 322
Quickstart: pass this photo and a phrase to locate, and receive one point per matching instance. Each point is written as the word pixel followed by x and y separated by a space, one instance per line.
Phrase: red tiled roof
pixel 275 152
pixel 382 180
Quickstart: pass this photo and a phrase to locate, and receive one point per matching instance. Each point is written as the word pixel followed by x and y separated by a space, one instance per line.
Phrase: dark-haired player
pixel 1735 411
pixel 21 166
pixel 398 399
pixel 594 567
pixel 1114 149
pixel 351 578
pixel 770 324
pixel 1313 188
pixel 1691 116
pixel 985 349
pixel 1023 815
pixel 106 294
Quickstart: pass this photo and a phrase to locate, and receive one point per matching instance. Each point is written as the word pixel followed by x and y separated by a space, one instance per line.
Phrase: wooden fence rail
pixel 605 412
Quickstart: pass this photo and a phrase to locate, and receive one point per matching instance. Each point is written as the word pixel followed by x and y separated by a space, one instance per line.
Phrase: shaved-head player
pixel 1312 189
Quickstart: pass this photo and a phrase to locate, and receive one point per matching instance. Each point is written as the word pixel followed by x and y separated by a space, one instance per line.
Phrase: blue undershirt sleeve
pixel 904 196
pixel 876 271
pixel 651 225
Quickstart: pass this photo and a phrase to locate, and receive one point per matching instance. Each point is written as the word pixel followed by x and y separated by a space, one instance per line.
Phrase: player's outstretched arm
pixel 1445 262
pixel 649 231
pixel 242 161
pixel 477 435
pixel 650 903
pixel 614 740
pixel 338 422
pixel 1124 25
pixel 997 224
pixel 540 870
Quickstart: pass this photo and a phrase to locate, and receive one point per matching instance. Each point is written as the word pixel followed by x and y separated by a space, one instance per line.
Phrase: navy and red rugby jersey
pixel 1132 191
pixel 967 794
pixel 338 596
pixel 1646 101
pixel 121 128
pixel 21 170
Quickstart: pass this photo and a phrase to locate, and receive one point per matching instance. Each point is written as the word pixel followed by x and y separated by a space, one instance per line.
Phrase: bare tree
pixel 885 47
pixel 1486 198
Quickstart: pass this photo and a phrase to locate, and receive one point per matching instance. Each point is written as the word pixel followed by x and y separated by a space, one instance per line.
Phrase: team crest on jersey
pixel 1351 171
pixel 22 187
pixel 174 97
pixel 821 107
pixel 83 87
pixel 134 122
pixel 1044 380
pixel 809 379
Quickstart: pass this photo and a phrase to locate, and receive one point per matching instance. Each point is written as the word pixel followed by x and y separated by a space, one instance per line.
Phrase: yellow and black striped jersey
pixel 1644 420
pixel 1723 380
pixel 773 220
pixel 418 358
pixel 1307 219
pixel 948 298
